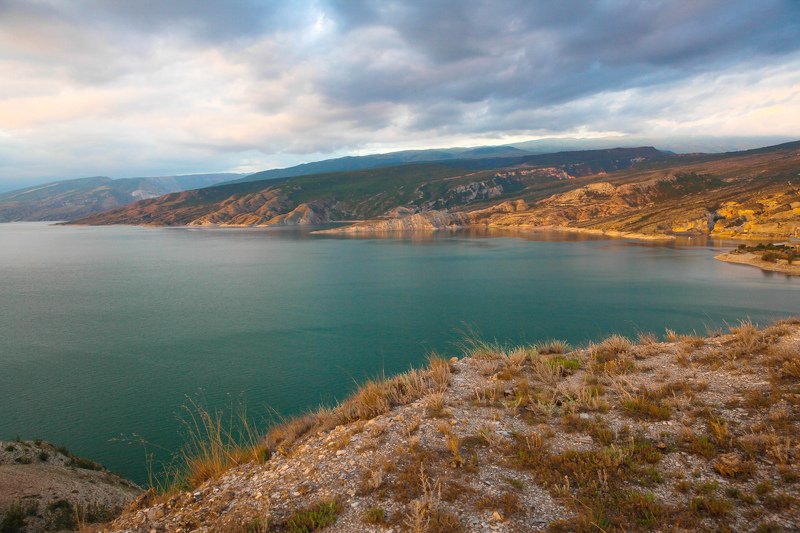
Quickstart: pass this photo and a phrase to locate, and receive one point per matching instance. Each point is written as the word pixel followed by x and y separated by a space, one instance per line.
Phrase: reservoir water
pixel 105 331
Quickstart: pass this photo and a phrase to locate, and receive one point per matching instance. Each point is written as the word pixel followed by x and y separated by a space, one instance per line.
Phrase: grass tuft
pixel 314 518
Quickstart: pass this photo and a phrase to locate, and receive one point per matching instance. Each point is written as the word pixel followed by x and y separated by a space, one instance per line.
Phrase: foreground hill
pixel 627 191
pixel 688 434
pixel 69 199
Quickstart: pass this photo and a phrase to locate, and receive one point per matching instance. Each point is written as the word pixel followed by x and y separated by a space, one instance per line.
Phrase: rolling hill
pixel 69 199
pixel 365 162
pixel 638 192
pixel 365 194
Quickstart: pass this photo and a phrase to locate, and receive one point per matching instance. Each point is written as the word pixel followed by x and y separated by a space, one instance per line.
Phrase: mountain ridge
pixel 369 193
pixel 69 199
pixel 637 192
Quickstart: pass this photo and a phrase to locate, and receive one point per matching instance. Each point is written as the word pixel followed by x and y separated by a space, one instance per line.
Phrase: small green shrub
pixel 86 464
pixel 317 517
pixel 564 363
pixel 709 506
pixel 646 408
pixel 13 520
pixel 61 515
pixel 375 516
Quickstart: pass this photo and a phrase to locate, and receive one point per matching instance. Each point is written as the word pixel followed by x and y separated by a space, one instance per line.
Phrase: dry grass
pixel 610 357
pixel 690 343
pixel 216 441
pixel 453 444
pixel 645 406
pixel 646 339
pixel 506 504
pixel 481 350
pixel 522 393
pixel 720 431
pixel 611 348
pixel 373 398
pixel 544 372
pixel 426 513
pixel 434 404
pixel 553 346
pixel 747 340
pixel 489 436
pixel 732 465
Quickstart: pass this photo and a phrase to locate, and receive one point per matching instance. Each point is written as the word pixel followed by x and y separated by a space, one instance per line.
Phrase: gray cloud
pixel 99 87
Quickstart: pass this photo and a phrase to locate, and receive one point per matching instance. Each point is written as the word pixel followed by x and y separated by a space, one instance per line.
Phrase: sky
pixel 152 87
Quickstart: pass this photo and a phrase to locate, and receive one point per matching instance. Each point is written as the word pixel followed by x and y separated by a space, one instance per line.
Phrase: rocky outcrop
pixel 45 488
pixel 420 222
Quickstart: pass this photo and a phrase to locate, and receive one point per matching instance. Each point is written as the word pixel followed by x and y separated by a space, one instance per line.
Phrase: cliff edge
pixel 684 433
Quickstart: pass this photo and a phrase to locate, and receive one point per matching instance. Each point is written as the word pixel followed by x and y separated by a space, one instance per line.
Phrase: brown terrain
pixel 636 192
pixel 684 433
pixel 750 196
pixel 45 488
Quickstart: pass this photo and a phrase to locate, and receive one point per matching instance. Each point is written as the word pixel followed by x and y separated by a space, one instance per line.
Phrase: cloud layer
pixel 151 87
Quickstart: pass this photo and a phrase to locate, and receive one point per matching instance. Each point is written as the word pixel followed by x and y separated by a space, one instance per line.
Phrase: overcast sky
pixel 154 87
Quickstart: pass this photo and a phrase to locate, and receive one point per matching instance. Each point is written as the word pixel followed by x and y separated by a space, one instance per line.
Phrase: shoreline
pixel 611 234
pixel 341 229
pixel 614 234
pixel 750 259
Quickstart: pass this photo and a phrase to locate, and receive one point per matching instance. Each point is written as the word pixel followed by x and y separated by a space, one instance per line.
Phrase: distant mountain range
pixel 640 192
pixel 365 162
pixel 76 198
pixel 80 198
pixel 363 194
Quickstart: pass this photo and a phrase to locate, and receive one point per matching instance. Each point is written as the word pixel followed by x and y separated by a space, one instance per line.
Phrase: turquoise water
pixel 105 331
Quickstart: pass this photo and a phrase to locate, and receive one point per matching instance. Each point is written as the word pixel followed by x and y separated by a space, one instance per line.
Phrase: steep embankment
pixel 45 488
pixel 689 434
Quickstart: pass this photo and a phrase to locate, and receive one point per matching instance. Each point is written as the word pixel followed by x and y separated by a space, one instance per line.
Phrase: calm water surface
pixel 105 331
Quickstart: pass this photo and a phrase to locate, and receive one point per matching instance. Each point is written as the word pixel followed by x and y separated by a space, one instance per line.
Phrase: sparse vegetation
pixel 13 520
pixel 375 516
pixel 771 253
pixel 314 518
pixel 553 347
pixel 602 436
